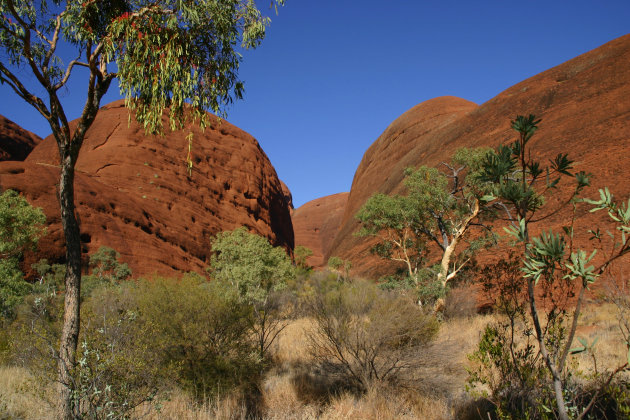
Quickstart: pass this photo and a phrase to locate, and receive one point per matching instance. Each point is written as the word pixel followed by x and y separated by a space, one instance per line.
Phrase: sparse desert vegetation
pixel 293 385
pixel 472 272
pixel 258 336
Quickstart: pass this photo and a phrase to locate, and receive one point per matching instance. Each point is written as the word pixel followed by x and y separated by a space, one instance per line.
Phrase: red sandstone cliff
pixel 316 224
pixel 15 142
pixel 133 192
pixel 585 109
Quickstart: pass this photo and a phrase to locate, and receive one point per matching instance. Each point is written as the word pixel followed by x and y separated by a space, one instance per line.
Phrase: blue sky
pixel 333 74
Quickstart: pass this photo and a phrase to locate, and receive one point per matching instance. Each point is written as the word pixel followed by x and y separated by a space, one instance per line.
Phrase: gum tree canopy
pixel 180 55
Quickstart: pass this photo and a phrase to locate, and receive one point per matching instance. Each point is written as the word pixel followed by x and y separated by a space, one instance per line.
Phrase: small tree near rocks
pixel 438 211
pixel 301 256
pixel 257 270
pixel 552 266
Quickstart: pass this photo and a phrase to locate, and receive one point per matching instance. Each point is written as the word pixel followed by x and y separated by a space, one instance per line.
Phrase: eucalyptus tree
pixel 439 209
pixel 256 270
pixel 176 55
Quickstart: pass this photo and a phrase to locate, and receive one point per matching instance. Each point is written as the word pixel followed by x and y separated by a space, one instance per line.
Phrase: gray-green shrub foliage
pixel 364 334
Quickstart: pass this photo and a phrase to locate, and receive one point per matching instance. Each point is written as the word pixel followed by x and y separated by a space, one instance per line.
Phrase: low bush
pixel 202 333
pixel 365 335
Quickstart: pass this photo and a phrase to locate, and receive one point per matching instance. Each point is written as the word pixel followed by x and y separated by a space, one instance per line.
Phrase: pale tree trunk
pixel 557 381
pixel 443 275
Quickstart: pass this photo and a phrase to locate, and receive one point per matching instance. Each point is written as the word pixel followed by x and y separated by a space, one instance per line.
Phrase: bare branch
pixel 15 84
pixel 66 76
pixel 53 43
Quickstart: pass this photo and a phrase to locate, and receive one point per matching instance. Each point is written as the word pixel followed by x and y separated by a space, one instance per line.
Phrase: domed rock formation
pixel 15 142
pixel 288 197
pixel 134 193
pixel 585 109
pixel 316 224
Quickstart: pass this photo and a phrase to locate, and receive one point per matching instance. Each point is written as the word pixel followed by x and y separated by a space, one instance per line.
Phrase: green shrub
pixel 202 333
pixel 106 270
pixel 21 226
pixel 257 272
pixel 117 366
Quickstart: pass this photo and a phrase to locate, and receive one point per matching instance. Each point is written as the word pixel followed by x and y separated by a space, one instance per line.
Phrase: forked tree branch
pixel 11 79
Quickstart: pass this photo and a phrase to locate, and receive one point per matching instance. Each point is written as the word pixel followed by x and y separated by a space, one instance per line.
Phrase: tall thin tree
pixel 176 55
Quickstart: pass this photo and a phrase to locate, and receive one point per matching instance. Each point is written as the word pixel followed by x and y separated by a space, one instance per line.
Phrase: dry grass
pixel 21 397
pixel 180 406
pixel 601 322
pixel 386 404
pixel 291 390
pixel 290 346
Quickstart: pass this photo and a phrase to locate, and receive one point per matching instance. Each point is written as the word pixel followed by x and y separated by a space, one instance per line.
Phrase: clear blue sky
pixel 333 74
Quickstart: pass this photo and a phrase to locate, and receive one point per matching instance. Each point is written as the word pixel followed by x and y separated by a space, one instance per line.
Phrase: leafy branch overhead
pixel 164 54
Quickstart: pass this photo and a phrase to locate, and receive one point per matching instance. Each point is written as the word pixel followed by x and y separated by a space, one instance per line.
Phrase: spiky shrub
pixel 553 272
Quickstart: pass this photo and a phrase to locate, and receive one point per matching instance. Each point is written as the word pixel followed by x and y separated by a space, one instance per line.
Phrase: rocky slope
pixel 134 194
pixel 585 109
pixel 316 224
pixel 15 142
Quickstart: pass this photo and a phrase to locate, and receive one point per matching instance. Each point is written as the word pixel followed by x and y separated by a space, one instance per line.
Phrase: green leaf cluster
pixel 106 270
pixel 250 263
pixel 301 255
pixel 436 210
pixel 180 55
pixel 21 226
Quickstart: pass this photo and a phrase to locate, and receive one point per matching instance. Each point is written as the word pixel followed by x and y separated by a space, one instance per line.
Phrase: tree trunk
pixel 443 276
pixel 557 381
pixel 71 316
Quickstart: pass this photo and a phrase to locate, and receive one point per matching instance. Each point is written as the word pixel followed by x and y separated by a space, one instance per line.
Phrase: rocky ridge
pixel 134 194
pixel 15 142
pixel 585 109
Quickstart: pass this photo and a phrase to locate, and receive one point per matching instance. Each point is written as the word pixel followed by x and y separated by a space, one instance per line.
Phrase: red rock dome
pixel 134 194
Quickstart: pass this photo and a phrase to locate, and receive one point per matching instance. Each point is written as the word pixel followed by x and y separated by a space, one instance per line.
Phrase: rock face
pixel 15 142
pixel 585 109
pixel 316 224
pixel 134 194
pixel 288 197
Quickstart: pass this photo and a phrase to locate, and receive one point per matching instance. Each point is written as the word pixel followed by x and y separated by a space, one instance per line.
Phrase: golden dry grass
pixel 291 344
pixel 442 379
pixel 21 397
pixel 287 392
pixel 179 406
pixel 601 322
